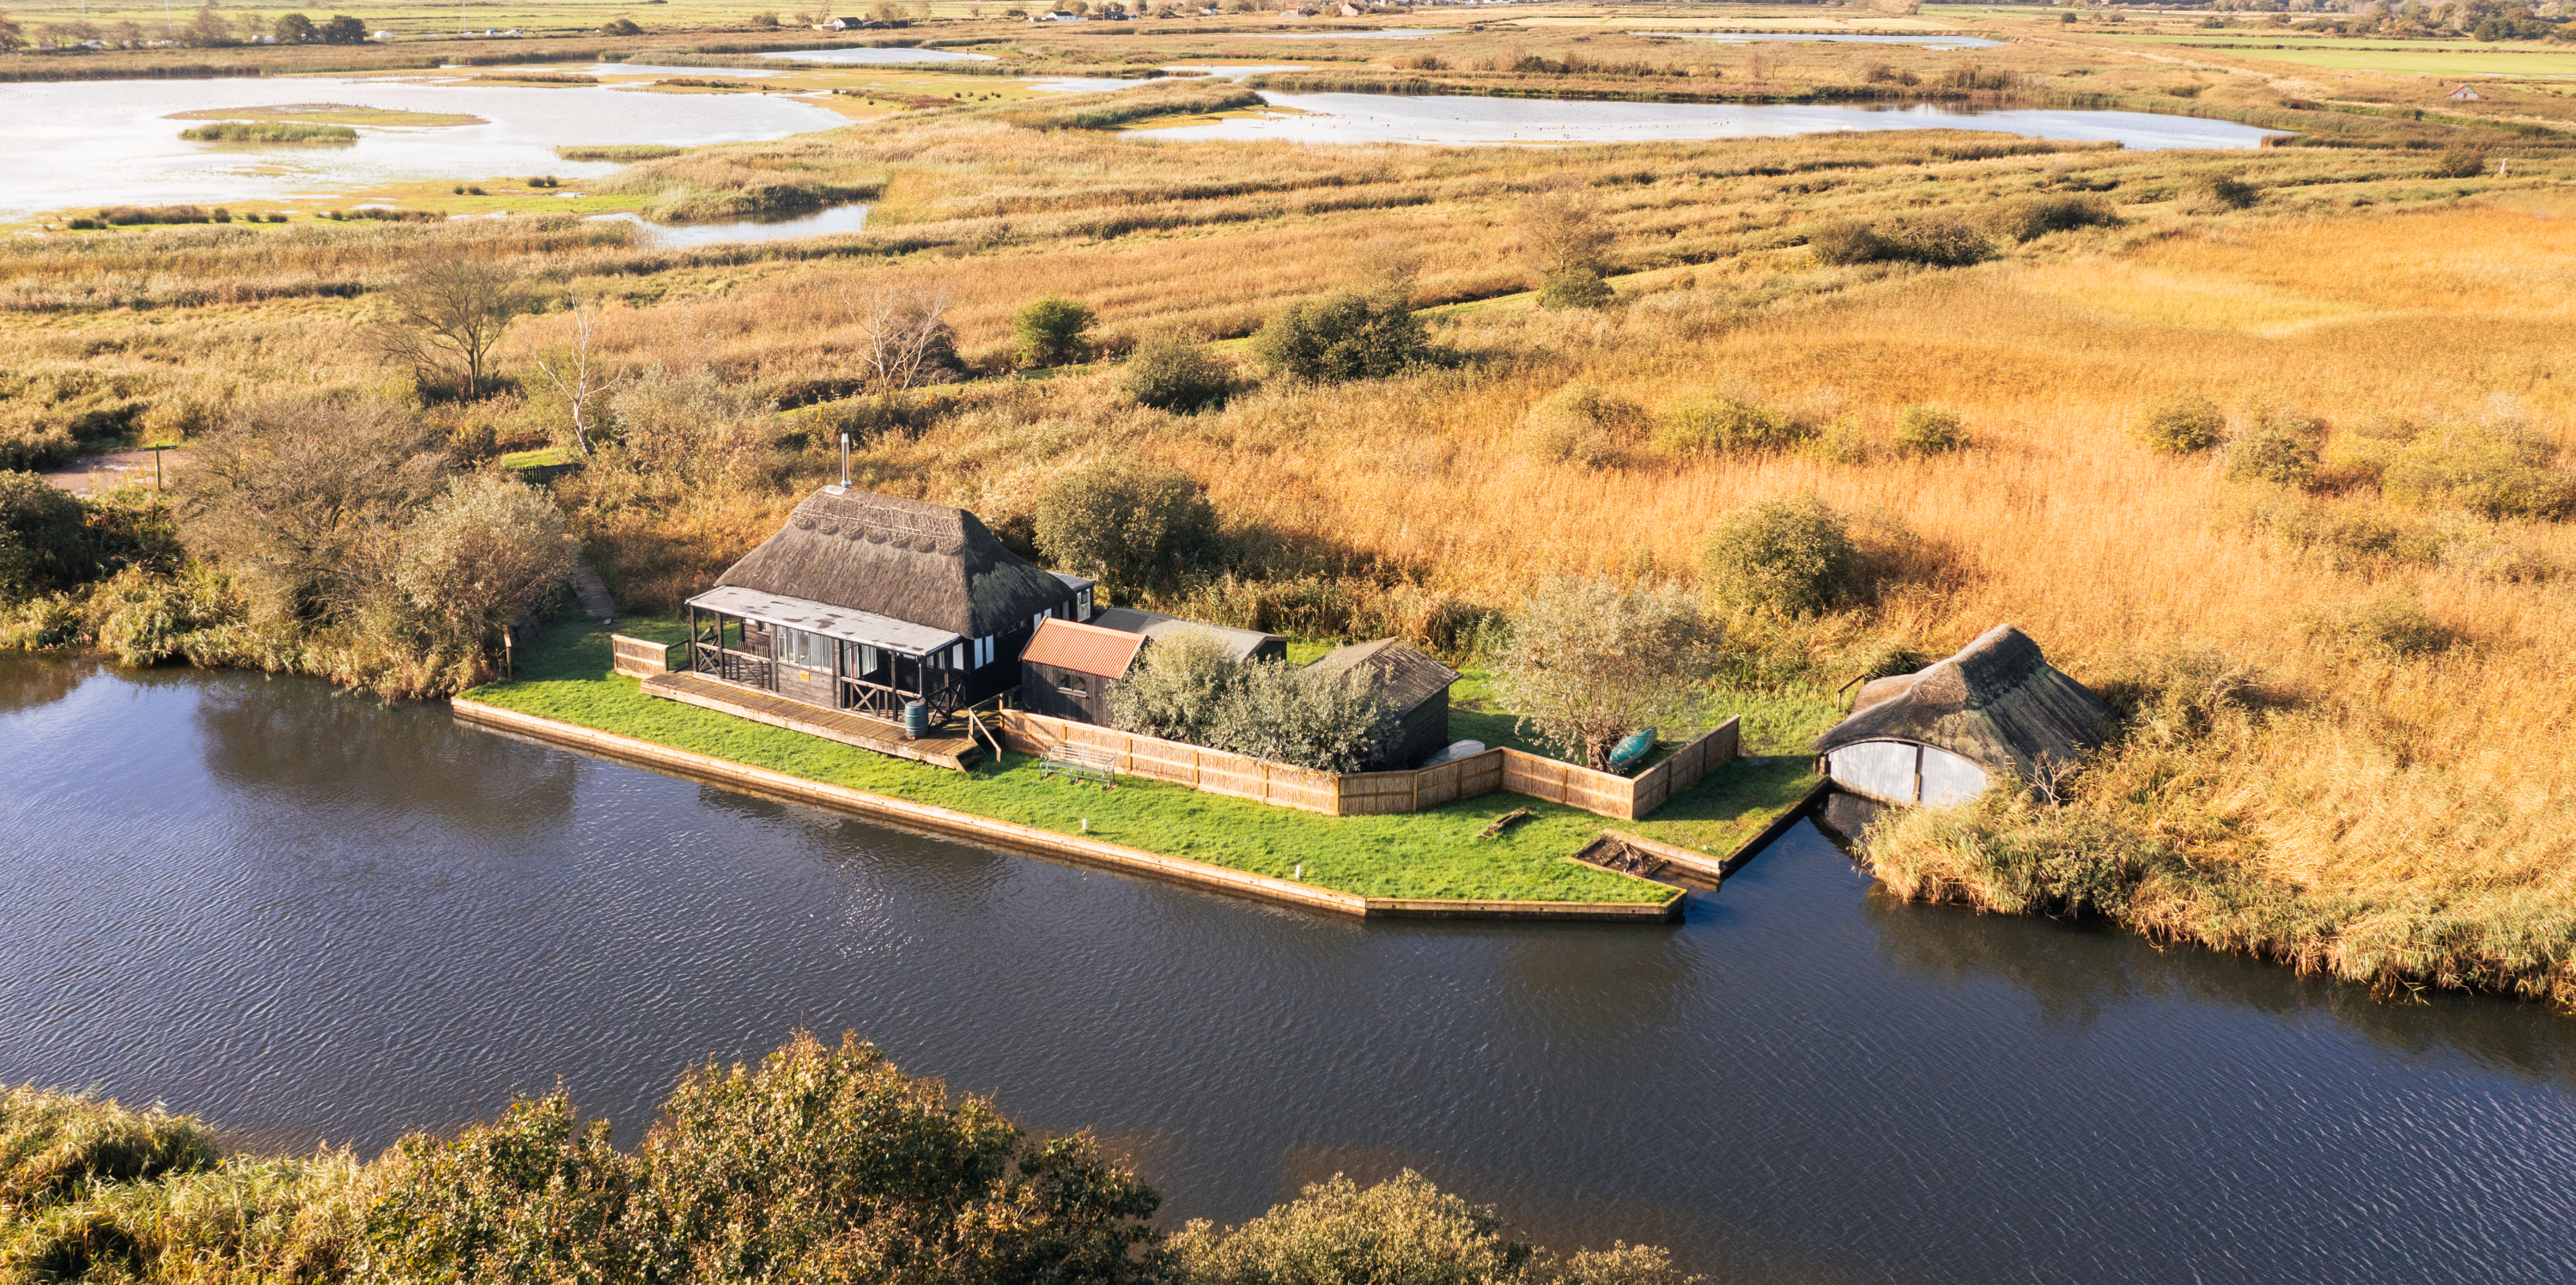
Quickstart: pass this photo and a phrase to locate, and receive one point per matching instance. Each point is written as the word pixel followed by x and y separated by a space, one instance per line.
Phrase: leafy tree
pixel 1565 236
pixel 449 315
pixel 343 30
pixel 1054 331
pixel 1792 556
pixel 12 36
pixel 1170 372
pixel 1348 335
pixel 1124 522
pixel 1588 662
pixel 294 29
pixel 208 30
pixel 535 1195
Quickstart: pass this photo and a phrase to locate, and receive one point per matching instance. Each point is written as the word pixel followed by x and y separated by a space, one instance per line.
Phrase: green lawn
pixel 2518 58
pixel 564 676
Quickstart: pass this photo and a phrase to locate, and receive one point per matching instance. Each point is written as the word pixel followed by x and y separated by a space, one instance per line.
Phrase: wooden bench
pixel 1079 762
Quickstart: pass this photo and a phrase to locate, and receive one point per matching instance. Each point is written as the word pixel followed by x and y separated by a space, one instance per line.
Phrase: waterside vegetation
pixel 818 1162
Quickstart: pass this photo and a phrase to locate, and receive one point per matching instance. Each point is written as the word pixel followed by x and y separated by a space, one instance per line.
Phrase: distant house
pixel 1070 668
pixel 2464 94
pixel 1945 732
pixel 866 603
pixel 1415 688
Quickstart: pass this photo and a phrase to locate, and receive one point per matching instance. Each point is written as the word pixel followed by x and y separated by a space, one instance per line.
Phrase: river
pixel 309 916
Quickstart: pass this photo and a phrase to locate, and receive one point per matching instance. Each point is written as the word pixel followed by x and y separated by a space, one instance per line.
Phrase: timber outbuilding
pixel 868 603
pixel 1945 732
pixel 1070 668
pixel 1416 691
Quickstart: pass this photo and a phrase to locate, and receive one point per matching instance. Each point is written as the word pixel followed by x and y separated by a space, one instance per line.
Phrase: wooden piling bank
pixel 1030 839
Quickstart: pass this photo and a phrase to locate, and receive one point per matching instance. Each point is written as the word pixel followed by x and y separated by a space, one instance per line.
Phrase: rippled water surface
pixel 310 916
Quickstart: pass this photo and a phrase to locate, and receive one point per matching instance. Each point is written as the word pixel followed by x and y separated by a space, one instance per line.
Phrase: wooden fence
pixel 640 657
pixel 1377 793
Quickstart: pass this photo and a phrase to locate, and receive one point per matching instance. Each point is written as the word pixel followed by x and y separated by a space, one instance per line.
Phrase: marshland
pixel 2265 443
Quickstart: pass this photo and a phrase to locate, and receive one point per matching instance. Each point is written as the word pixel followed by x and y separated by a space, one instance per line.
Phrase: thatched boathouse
pixel 867 603
pixel 1416 691
pixel 1944 733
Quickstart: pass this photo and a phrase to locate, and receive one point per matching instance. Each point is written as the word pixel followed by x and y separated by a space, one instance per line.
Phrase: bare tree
pixel 578 374
pixel 1590 662
pixel 1562 232
pixel 450 314
pixel 904 336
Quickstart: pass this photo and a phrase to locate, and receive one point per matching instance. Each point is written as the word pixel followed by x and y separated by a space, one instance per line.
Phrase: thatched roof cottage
pixel 1944 733
pixel 867 602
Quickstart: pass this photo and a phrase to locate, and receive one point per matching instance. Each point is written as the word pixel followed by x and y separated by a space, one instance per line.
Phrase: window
pixel 1076 686
pixel 957 656
pixel 804 650
pixel 1082 605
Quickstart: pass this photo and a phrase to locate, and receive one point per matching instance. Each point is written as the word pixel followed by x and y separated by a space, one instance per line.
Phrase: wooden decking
pixel 944 747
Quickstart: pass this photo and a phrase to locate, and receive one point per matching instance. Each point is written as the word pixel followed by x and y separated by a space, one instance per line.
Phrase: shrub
pixel 1054 331
pixel 2217 193
pixel 2394 627
pixel 2182 424
pixel 620 27
pixel 1322 722
pixel 44 538
pixel 2460 162
pixel 2032 217
pixel 1581 424
pixel 1579 287
pixel 2279 449
pixel 55 1146
pixel 479 556
pixel 1169 372
pixel 1936 240
pixel 1175 688
pixel 1124 522
pixel 1587 662
pixel 1791 556
pixel 1718 424
pixel 1929 430
pixel 1347 335
pixel 2490 471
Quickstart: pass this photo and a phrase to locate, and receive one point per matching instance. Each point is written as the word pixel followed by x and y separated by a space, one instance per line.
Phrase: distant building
pixel 1945 732
pixel 1415 688
pixel 2464 94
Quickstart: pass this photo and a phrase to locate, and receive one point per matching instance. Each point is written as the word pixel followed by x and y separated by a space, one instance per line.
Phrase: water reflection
pixel 673 236
pixel 878 55
pixel 214 900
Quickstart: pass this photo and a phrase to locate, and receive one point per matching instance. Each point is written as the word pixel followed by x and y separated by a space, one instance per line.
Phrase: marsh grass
pixel 269 132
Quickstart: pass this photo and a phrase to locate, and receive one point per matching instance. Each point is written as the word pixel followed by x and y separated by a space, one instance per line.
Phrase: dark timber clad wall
pixel 1420 732
pixel 1041 692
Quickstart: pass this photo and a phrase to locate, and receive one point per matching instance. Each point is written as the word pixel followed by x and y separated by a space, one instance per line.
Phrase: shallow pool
pixel 879 55
pixel 1392 118
pixel 675 236
pixel 93 143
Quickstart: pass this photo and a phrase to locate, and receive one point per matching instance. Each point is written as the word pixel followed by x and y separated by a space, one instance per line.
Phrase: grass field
pixel 2404 58
pixel 1431 854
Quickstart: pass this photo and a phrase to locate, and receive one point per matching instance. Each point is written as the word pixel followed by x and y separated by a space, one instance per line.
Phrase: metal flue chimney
pixel 845 461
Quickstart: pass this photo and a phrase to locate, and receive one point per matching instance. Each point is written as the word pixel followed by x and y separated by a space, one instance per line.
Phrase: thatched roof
pixel 926 563
pixel 1998 703
pixel 1403 676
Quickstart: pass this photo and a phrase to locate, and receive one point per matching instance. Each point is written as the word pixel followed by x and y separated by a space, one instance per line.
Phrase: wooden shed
pixel 1242 644
pixel 1069 669
pixel 867 602
pixel 1414 686
pixel 1944 733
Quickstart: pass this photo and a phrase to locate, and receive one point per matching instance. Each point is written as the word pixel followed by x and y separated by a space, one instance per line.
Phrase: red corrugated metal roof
pixel 1084 649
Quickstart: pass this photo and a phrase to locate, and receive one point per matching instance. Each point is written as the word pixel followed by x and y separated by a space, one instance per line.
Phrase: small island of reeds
pixel 237 131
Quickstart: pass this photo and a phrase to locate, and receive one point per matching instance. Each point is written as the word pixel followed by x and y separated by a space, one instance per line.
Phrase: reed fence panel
pixel 640 657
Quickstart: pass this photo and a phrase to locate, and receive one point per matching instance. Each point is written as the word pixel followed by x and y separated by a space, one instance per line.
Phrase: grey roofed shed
pixel 1242 644
pixel 1415 688
pixel 1997 707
